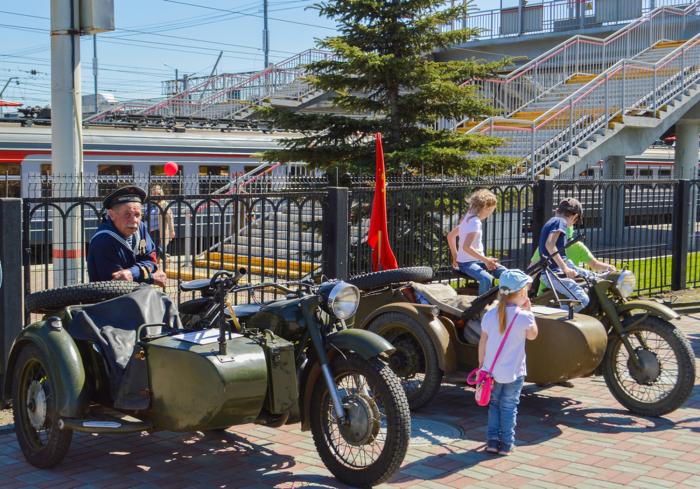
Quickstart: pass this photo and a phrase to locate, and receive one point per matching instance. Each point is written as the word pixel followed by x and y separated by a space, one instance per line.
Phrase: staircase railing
pixel 583 54
pixel 626 86
pixel 256 87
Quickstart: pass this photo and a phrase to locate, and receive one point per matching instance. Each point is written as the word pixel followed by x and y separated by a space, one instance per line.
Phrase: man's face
pixel 126 217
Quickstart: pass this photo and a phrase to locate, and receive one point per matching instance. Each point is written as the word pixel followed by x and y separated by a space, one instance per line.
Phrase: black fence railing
pixel 278 232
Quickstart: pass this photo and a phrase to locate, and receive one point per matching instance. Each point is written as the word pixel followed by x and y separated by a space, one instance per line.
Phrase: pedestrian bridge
pixel 590 98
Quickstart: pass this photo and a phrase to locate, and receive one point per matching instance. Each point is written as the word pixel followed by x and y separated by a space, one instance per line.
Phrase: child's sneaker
pixel 492 446
pixel 505 450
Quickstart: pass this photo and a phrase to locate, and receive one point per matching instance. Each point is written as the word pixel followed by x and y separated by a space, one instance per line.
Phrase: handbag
pixel 483 380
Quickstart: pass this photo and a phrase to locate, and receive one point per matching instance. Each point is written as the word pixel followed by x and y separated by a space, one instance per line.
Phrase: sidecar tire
pixel 686 368
pixel 409 326
pixel 398 419
pixel 50 300
pixel 376 280
pixel 54 450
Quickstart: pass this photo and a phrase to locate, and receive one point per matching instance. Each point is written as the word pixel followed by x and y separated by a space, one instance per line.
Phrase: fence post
pixel 335 245
pixel 11 290
pixel 542 205
pixel 680 231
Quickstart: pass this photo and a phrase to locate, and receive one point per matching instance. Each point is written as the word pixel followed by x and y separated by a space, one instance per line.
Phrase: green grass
pixel 654 274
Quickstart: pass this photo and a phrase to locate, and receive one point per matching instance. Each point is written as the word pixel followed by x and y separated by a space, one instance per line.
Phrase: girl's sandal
pixel 492 446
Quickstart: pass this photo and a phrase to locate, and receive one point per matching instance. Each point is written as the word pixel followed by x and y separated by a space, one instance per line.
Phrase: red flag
pixel 378 238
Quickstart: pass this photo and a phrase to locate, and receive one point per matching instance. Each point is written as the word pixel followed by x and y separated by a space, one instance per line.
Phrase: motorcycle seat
pixel 244 311
pixel 444 297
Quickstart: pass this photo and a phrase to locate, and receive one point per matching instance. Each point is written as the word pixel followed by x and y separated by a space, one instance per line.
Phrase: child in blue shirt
pixel 553 238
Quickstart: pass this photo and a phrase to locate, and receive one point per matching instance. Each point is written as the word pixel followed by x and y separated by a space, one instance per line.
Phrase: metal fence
pixel 278 233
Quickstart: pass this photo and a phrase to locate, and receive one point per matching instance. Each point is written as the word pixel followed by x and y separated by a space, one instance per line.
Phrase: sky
pixel 155 37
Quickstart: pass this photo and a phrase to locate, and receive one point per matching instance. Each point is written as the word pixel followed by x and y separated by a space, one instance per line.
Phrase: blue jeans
pixel 503 410
pixel 478 271
pixel 575 291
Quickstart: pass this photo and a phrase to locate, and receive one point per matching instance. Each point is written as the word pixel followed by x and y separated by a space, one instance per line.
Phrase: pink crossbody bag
pixel 483 380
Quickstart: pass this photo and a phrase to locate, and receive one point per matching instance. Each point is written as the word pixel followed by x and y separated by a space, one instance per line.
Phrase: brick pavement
pixel 569 437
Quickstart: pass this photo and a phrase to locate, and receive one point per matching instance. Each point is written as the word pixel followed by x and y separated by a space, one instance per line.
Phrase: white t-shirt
pixel 511 362
pixel 470 224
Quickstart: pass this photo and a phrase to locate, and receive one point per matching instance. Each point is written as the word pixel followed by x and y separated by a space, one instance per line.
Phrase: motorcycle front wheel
pixel 663 376
pixel 369 448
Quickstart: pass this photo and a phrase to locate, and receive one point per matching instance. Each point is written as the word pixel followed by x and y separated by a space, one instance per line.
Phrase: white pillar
pixel 686 156
pixel 66 147
pixel 613 212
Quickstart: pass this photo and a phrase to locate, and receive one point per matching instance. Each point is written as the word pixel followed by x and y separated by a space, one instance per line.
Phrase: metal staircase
pixel 562 107
pixel 234 96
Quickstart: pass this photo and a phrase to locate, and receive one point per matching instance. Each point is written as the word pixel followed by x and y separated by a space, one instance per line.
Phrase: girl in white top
pixel 510 369
pixel 468 255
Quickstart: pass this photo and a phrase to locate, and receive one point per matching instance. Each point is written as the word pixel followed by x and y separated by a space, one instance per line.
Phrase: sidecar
pixel 126 365
pixel 428 324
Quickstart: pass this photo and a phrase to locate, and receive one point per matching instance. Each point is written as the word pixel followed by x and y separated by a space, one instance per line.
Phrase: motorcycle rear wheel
pixel 668 375
pixel 368 455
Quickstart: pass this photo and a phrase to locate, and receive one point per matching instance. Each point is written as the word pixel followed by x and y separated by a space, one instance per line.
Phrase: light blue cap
pixel 512 281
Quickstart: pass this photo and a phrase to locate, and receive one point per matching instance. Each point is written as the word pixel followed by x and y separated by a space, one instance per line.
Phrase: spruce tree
pixel 384 78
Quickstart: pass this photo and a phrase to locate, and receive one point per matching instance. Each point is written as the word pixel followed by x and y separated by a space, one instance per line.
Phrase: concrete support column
pixel 686 157
pixel 66 143
pixel 686 167
pixel 613 210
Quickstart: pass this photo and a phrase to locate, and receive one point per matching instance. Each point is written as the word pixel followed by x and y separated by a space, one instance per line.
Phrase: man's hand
pixel 123 275
pixel 454 263
pixel 570 273
pixel 491 263
pixel 159 278
pixel 610 268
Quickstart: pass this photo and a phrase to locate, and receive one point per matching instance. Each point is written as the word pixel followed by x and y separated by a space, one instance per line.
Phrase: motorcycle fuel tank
pixel 195 388
pixel 564 348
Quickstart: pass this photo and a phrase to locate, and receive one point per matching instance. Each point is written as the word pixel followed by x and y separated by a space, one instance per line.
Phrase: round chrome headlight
pixel 626 283
pixel 343 300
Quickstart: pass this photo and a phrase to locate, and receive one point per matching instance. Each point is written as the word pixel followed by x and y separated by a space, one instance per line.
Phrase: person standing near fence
pixel 468 255
pixel 121 248
pixel 161 224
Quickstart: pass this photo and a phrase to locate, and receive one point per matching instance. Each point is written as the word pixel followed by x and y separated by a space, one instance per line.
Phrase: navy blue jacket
pixel 110 252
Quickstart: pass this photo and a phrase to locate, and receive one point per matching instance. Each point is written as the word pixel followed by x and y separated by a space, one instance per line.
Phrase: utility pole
pixel 94 66
pixel 266 36
pixel 7 83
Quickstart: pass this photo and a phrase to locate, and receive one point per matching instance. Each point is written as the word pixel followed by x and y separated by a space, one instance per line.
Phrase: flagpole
pixel 379 251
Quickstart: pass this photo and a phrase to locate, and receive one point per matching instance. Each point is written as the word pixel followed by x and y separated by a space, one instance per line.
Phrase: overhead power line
pixel 276 19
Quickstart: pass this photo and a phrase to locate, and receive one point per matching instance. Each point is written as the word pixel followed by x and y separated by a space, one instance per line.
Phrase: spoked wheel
pixel 415 361
pixel 663 376
pixel 34 408
pixel 369 447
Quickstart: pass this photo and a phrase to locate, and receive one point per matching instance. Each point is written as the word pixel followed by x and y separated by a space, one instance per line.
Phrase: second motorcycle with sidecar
pixel 113 357
pixel 646 361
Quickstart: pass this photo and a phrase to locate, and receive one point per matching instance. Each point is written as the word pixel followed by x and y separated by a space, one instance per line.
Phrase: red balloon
pixel 171 168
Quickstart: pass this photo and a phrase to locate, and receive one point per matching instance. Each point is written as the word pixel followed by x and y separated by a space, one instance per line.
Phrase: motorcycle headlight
pixel 626 283
pixel 342 299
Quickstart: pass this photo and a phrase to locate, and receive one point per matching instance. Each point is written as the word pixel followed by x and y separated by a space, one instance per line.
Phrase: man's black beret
pixel 123 195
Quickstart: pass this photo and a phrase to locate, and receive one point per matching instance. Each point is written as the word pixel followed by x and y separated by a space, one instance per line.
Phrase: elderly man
pixel 121 248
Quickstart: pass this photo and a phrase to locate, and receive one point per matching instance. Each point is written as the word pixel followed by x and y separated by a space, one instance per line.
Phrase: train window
pixel 665 173
pixel 10 184
pixel 111 177
pixel 629 172
pixel 212 178
pixel 46 189
pixel 646 173
pixel 170 185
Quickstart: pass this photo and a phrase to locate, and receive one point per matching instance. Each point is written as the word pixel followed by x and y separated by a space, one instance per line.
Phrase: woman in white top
pixel 468 255
pixel 510 325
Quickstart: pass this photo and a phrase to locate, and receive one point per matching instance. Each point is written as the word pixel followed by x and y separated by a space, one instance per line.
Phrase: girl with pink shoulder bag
pixel 502 367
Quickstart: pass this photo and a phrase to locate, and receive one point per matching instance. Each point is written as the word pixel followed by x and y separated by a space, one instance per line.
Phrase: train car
pixel 656 163
pixel 204 156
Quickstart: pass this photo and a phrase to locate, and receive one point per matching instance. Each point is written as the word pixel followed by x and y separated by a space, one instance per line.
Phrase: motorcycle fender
pixel 424 315
pixel 651 307
pixel 63 359
pixel 364 343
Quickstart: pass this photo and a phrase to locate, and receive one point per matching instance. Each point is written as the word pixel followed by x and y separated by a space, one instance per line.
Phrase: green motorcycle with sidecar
pixel 114 357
